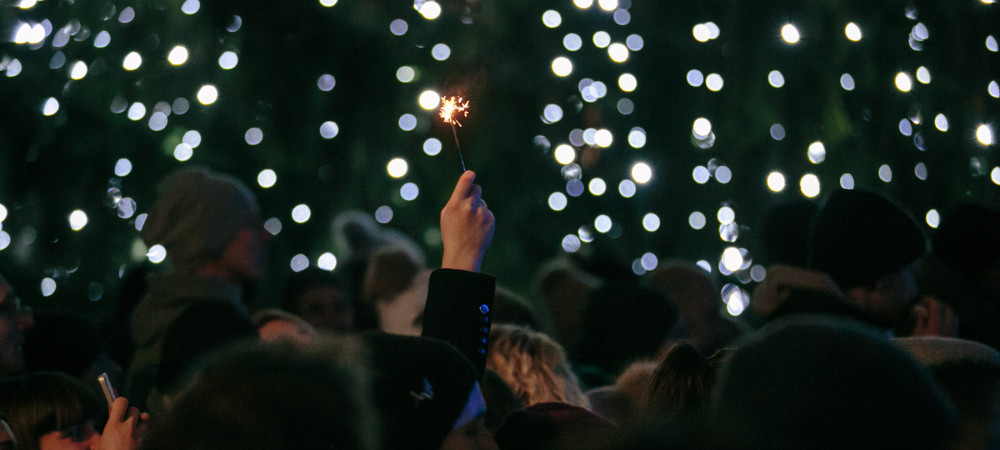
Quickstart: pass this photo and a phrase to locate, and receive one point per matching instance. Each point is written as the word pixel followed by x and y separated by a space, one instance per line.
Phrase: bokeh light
pixel 327 261
pixel 397 168
pixel 790 33
pixel 384 214
pixel 903 82
pixel 207 94
pixel 178 55
pixel 78 70
pixel 885 173
pixel 776 79
pixel 941 122
pixel 123 167
pixel 409 191
pixel 267 178
pixel 564 154
pixel 432 146
pixel 984 134
pixel 776 181
pixel 701 174
pixel 77 220
pixel 329 129
pixel 441 52
pixel 551 18
pixel 732 259
pixel 853 32
pixel 651 222
pixel 273 226
pixel 641 173
pixel 562 66
pixel 695 78
pixel 132 61
pixel 627 82
pixel 299 263
pixel 847 82
pixel 597 187
pixel 603 223
pixel 253 136
pixel 552 113
pixel 697 220
pixel 626 188
pixel 933 218
pixel 430 10
pixel 714 82
pixel 429 100
pixel 816 152
pixel 701 128
pixel 301 213
pixel 809 185
pixel 405 74
pixel 50 107
pixel 407 122
pixel 558 201
pixel 156 254
pixel 48 287
pixel 608 5
pixel 847 181
pixel 572 42
pixel 618 52
pixel 923 75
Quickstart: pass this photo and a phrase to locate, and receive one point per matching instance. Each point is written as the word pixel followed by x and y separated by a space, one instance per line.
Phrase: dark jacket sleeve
pixel 458 311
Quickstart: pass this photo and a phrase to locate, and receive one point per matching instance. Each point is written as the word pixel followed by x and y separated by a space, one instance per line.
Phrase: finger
pixel 475 192
pixel 462 187
pixel 118 408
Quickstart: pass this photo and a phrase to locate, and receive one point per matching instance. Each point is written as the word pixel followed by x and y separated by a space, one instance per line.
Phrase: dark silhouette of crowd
pixel 865 333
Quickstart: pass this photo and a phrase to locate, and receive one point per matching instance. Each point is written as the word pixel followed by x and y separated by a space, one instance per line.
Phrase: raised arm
pixel 459 299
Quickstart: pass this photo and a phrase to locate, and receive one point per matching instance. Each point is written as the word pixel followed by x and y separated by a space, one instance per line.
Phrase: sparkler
pixel 450 108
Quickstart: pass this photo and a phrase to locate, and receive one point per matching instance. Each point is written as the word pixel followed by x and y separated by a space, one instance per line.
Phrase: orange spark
pixel 450 108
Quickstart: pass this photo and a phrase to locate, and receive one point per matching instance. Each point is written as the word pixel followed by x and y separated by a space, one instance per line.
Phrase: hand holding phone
pixel 109 392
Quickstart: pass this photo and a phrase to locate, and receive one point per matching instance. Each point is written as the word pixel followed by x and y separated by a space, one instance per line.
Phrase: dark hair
pixel 39 403
pixel 273 396
pixel 682 383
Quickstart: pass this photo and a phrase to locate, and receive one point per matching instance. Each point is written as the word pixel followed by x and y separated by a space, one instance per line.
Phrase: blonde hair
pixel 534 365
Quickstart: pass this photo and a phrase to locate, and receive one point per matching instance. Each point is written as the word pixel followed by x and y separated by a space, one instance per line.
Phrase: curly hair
pixel 534 365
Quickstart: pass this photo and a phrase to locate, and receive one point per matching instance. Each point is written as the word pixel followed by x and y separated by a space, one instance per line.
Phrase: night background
pixel 635 130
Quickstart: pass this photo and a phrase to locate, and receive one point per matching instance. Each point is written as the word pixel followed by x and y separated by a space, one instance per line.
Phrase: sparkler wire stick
pixel 459 147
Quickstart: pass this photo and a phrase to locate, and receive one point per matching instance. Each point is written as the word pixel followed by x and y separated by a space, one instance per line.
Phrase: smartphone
pixel 109 392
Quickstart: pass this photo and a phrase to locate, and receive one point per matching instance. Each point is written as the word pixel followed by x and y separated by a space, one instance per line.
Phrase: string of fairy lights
pixel 610 36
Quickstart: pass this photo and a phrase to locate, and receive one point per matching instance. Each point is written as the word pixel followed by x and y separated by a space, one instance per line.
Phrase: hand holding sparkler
pixel 467 226
pixel 450 108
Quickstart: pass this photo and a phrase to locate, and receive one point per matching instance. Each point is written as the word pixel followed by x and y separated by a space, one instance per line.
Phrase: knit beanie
pixel 824 384
pixel 421 386
pixel 858 237
pixel 197 214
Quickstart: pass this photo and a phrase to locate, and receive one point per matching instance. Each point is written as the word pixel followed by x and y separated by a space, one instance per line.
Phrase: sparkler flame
pixel 450 108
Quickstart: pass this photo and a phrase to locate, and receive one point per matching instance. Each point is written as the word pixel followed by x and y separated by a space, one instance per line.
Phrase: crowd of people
pixel 864 334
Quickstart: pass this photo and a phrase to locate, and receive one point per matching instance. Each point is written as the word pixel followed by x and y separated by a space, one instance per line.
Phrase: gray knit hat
pixel 197 214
